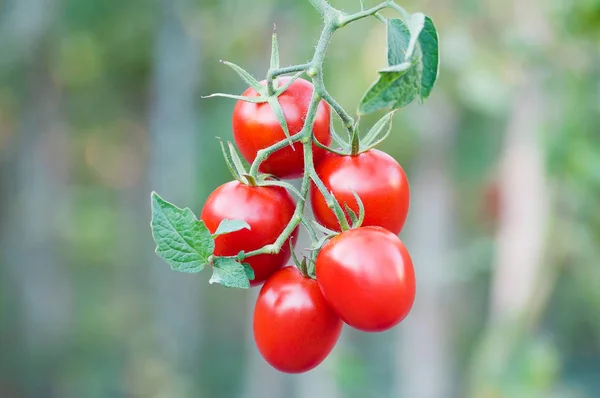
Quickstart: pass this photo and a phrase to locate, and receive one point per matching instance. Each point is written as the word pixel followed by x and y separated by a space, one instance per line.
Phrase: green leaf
pixel 398 37
pixel 393 90
pixel 229 273
pixel 403 67
pixel 428 41
pixel 415 26
pixel 181 239
pixel 398 84
pixel 227 226
pixel 249 271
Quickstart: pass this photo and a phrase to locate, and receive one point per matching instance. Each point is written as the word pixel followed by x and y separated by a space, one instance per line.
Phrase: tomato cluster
pixel 363 277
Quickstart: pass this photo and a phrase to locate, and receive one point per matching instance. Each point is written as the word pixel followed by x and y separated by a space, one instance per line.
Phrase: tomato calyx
pixel 267 92
pixel 306 266
pixel 357 144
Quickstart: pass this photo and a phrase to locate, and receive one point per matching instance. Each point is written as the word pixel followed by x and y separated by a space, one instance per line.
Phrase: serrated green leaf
pixel 428 41
pixel 229 273
pixel 227 226
pixel 181 239
pixel 398 38
pixel 393 90
pixel 249 271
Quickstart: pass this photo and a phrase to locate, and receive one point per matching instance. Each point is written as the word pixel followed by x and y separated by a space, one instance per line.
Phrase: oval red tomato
pixel 255 127
pixel 378 180
pixel 267 210
pixel 294 327
pixel 367 277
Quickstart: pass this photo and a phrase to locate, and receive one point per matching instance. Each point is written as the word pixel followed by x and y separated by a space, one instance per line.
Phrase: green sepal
pixel 237 160
pixel 324 229
pixel 278 111
pixel 229 162
pixel 281 90
pixel 255 100
pixel 371 140
pixel 361 210
pixel 281 184
pixel 247 77
pixel 274 50
pixel 351 214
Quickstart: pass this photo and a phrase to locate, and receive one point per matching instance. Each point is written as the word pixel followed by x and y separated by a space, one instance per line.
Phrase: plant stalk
pixel 334 20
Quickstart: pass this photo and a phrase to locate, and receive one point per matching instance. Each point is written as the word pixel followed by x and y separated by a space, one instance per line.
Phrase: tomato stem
pixel 334 19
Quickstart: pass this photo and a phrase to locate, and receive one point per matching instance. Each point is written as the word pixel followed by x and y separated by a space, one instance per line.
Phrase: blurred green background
pixel 100 103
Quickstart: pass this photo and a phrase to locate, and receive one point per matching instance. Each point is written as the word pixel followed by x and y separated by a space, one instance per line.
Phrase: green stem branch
pixel 334 19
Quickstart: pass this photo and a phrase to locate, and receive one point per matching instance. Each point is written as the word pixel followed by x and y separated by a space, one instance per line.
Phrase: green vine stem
pixel 334 19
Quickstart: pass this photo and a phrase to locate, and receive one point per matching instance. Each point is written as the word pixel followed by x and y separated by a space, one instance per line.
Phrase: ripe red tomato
pixel 378 180
pixel 294 327
pixel 266 209
pixel 367 277
pixel 255 127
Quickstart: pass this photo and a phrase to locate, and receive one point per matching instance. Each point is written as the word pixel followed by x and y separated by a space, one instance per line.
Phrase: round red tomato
pixel 255 127
pixel 294 327
pixel 376 177
pixel 266 209
pixel 367 277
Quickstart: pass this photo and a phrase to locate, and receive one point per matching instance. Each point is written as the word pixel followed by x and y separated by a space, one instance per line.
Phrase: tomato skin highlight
pixel 367 277
pixel 378 180
pixel 294 327
pixel 256 127
pixel 267 210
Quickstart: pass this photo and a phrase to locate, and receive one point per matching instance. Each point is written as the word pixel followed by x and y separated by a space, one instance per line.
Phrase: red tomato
pixel 255 127
pixel 294 327
pixel 266 209
pixel 376 177
pixel 367 277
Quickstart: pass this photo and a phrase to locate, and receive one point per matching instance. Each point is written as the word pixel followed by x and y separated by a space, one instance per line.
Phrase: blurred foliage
pixel 98 60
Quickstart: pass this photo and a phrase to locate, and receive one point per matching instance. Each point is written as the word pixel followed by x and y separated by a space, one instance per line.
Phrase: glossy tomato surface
pixel 255 127
pixel 366 275
pixel 294 327
pixel 266 209
pixel 378 180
